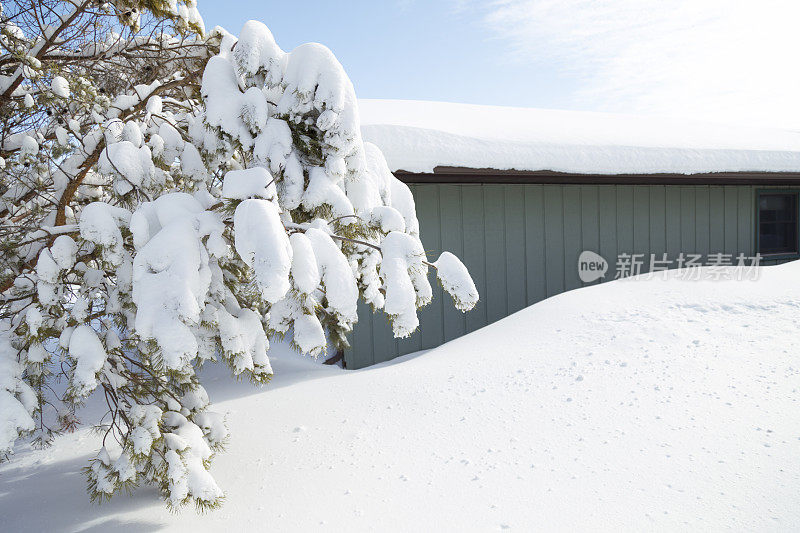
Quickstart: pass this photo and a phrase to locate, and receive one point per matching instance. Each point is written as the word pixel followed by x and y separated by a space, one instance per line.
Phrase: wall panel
pixel 521 244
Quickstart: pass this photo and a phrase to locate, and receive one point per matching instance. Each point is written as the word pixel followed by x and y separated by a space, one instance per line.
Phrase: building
pixel 518 194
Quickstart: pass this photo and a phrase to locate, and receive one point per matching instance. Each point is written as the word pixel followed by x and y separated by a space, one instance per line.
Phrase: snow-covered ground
pixel 635 405
pixel 418 136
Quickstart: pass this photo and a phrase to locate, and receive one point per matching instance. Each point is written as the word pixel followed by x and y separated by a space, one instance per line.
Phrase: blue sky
pixel 725 60
pixel 426 50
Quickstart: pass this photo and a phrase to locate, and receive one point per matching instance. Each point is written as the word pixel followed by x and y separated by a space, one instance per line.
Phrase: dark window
pixel 777 223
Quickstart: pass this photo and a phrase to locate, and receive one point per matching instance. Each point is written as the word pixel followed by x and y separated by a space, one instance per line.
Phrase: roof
pixel 418 137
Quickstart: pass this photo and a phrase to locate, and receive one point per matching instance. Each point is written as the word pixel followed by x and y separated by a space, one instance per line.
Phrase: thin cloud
pixel 728 60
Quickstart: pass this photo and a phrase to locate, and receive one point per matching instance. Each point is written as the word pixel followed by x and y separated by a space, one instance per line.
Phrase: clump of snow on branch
pixel 133 165
pixel 262 243
pixel 243 336
pixel 407 287
pixel 89 355
pixel 100 224
pixel 60 87
pixel 243 184
pixel 455 279
pixel 335 273
pixel 18 401
pixel 171 276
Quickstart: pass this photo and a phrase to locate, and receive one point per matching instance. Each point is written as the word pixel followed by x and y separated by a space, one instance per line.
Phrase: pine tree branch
pixel 374 246
pixel 49 41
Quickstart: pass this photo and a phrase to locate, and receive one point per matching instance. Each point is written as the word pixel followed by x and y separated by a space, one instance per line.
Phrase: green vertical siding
pixel 573 241
pixel 515 272
pixel 590 220
pixel 553 238
pixel 495 249
pixel 474 255
pixel 452 237
pixel 641 221
pixel 535 250
pixel 521 245
pixel 716 213
pixel 731 219
pixel 429 214
pixel 658 219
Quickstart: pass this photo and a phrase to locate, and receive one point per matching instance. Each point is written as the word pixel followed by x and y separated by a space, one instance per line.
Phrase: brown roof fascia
pixel 489 175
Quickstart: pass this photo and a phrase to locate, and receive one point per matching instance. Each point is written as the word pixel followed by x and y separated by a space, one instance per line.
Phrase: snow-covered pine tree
pixel 152 222
pixel 281 132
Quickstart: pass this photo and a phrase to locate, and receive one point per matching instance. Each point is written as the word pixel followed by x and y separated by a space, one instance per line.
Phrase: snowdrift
pixel 658 405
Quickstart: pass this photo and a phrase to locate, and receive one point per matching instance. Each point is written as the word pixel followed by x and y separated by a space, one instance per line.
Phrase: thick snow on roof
pixel 633 405
pixel 418 136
